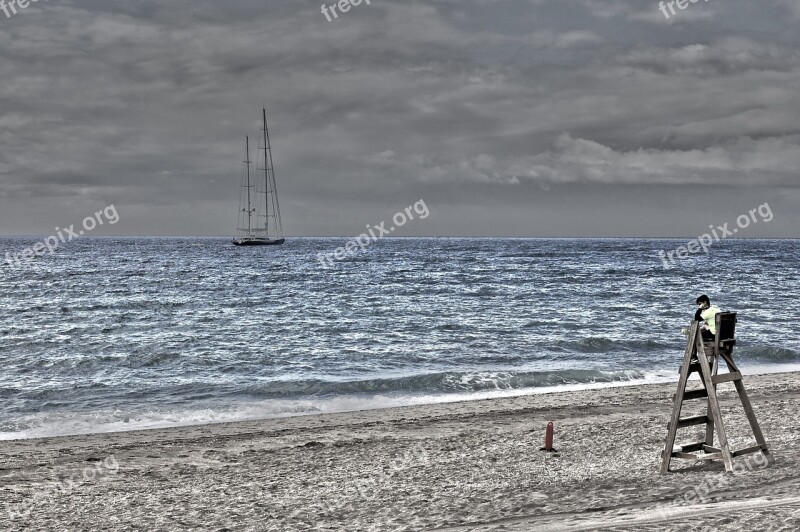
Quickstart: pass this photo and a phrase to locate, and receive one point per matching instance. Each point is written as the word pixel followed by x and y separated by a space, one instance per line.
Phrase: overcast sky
pixel 518 117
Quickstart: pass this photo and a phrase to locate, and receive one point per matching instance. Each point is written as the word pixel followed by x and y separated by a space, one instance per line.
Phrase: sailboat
pixel 259 212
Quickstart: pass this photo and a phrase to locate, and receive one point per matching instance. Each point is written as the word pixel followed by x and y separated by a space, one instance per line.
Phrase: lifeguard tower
pixel 704 358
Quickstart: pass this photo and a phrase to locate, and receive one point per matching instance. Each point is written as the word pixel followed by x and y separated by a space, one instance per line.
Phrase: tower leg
pixel 666 454
pixel 710 425
pixel 748 410
pixel 713 404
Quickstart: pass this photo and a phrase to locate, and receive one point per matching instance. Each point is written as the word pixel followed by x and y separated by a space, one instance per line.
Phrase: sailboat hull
pixel 258 241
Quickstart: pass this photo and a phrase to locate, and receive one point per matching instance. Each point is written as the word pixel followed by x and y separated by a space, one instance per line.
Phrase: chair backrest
pixel 726 326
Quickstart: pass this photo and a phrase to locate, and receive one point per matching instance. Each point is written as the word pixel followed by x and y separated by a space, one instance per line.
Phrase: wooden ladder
pixel 704 357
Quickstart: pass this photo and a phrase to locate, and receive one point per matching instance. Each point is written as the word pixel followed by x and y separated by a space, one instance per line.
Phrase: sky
pixel 574 118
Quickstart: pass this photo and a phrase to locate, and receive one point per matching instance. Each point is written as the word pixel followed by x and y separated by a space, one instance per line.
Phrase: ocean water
pixel 127 333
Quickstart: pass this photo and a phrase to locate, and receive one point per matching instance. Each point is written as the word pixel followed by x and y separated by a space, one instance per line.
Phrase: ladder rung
pixel 689 456
pixel 709 456
pixel 709 449
pixel 692 368
pixel 694 394
pixel 690 421
pixel 692 456
pixel 726 377
pixel 691 447
pixel 746 450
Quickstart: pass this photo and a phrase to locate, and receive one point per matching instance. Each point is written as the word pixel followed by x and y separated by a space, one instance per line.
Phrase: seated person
pixel 707 313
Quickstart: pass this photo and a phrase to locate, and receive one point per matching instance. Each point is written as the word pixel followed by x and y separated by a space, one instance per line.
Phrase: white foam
pixel 766 369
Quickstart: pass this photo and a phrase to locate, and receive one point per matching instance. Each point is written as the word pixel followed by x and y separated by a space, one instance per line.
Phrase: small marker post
pixel 548 439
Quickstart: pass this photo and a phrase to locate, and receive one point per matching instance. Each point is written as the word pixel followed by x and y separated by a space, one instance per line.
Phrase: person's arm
pixel 698 316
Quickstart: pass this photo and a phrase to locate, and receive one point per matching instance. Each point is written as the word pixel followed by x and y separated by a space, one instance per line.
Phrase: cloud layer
pixel 145 105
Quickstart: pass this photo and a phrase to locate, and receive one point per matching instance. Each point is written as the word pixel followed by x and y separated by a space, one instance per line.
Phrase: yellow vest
pixel 708 316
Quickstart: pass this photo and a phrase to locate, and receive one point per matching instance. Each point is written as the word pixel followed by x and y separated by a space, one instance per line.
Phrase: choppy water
pixel 124 333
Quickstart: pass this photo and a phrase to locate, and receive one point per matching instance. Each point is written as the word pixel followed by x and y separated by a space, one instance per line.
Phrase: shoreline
pixel 404 401
pixel 471 464
pixel 379 402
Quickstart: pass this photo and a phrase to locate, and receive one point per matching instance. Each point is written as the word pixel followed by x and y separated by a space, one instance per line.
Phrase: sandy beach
pixel 455 466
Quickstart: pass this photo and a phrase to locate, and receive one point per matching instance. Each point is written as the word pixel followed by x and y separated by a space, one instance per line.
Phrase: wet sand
pixel 472 465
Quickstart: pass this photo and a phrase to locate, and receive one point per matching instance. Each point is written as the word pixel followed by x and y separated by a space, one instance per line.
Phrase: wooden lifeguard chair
pixel 704 357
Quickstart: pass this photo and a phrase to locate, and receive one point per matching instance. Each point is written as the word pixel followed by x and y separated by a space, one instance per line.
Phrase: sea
pixel 111 334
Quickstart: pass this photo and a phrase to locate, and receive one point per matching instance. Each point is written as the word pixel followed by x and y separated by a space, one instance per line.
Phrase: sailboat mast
pixel 271 182
pixel 267 161
pixel 247 166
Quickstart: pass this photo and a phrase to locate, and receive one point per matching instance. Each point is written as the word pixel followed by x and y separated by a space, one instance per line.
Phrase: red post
pixel 548 438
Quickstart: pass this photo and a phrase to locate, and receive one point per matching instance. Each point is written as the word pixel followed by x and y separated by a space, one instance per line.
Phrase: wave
pixel 601 344
pixel 123 393
pixel 57 423
pixel 764 353
pixel 216 409
pixel 442 382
